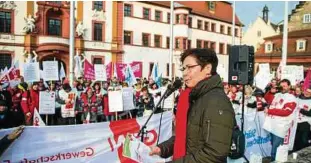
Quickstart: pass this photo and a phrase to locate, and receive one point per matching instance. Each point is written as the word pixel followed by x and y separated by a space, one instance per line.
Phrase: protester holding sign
pixel 279 116
pixel 67 99
pixel 90 104
pixel 145 103
pixel 26 103
pixel 99 93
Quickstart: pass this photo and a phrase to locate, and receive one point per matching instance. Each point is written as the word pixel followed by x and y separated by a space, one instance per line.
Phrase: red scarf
pixel 181 124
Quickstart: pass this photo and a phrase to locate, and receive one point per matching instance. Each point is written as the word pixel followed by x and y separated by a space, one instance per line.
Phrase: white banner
pixel 50 70
pixel 31 72
pixel 257 140
pixel 128 99
pixel 114 101
pixel 169 101
pixel 100 72
pixel 92 143
pixel 46 102
pixel 293 73
pixel 68 110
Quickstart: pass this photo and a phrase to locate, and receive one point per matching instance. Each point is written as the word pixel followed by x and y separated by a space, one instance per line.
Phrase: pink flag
pixel 108 70
pixel 306 83
pixel 137 68
pixel 89 72
pixel 121 71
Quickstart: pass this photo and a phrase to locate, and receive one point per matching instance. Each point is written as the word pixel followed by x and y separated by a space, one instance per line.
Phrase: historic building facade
pixel 112 31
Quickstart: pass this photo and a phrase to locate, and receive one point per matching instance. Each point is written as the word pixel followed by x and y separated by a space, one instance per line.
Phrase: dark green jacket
pixel 209 125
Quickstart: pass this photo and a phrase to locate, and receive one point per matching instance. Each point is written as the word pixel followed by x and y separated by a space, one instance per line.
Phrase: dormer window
pixel 300 45
pixel 268 47
pixel 211 5
pixel 307 18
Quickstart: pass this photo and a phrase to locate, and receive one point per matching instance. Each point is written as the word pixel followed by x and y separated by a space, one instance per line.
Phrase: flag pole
pixel 171 40
pixel 71 40
pixel 285 34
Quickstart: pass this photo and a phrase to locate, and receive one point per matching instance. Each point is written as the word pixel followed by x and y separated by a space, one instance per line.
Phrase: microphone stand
pixel 142 131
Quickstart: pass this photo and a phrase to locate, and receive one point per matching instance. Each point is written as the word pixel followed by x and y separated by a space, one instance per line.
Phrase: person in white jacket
pixel 281 109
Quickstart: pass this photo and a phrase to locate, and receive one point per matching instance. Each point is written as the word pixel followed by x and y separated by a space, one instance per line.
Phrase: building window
pixel 146 13
pixel 268 47
pixel 157 41
pixel 168 17
pixel 184 43
pixel 199 43
pixel 236 32
pixel 127 10
pixel 206 24
pixel 211 5
pixel 177 18
pixel 145 39
pixel 168 42
pixel 221 48
pixel 229 31
pixel 98 32
pixel 258 33
pixel 199 24
pixel 127 37
pixel 189 44
pixel 5 61
pixel 54 27
pixel 213 27
pixel 185 18
pixel 5 22
pixel 205 44
pixel 97 61
pixel 158 15
pixel 301 45
pixel 307 18
pixel 190 22
pixel 213 45
pixel 98 5
pixel 222 29
pixel 177 43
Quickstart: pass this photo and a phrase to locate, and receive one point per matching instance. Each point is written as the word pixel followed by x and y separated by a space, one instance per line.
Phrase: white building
pixel 115 31
pixel 260 29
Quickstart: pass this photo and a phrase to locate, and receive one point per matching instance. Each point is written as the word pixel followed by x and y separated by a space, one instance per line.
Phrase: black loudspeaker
pixel 241 65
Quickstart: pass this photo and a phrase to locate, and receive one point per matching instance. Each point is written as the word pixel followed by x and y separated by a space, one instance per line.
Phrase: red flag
pixel 306 83
pixel 89 72
pixel 137 68
pixel 121 71
pixel 108 70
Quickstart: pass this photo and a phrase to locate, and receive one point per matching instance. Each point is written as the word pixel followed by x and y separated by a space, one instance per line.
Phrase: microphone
pixel 172 88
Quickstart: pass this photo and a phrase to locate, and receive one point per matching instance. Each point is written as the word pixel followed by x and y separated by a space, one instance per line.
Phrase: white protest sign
pixel 293 73
pixel 169 101
pixel 100 72
pixel 128 99
pixel 262 79
pixel 31 72
pixel 50 70
pixel 46 102
pixel 299 74
pixel 265 67
pixel 115 101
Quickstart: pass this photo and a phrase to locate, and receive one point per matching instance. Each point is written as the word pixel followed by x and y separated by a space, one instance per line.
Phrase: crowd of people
pixel 91 100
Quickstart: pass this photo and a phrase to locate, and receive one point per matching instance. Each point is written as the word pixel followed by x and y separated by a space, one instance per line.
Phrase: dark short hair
pixel 285 81
pixel 203 57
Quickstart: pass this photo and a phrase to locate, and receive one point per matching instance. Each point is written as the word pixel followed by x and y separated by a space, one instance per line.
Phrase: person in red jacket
pixel 26 103
pixel 269 96
pixel 89 104
pixel 34 95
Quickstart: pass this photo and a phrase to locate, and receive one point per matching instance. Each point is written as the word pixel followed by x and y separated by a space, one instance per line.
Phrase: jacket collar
pixel 205 86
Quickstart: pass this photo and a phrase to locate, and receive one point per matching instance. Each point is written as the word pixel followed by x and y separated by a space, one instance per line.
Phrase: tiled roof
pixel 223 10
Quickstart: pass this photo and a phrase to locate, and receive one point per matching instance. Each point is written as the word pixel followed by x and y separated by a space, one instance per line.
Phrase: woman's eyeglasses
pixel 188 67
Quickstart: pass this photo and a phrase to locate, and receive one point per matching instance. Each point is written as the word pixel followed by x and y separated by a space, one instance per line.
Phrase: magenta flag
pixel 137 68
pixel 306 83
pixel 121 71
pixel 108 70
pixel 89 72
